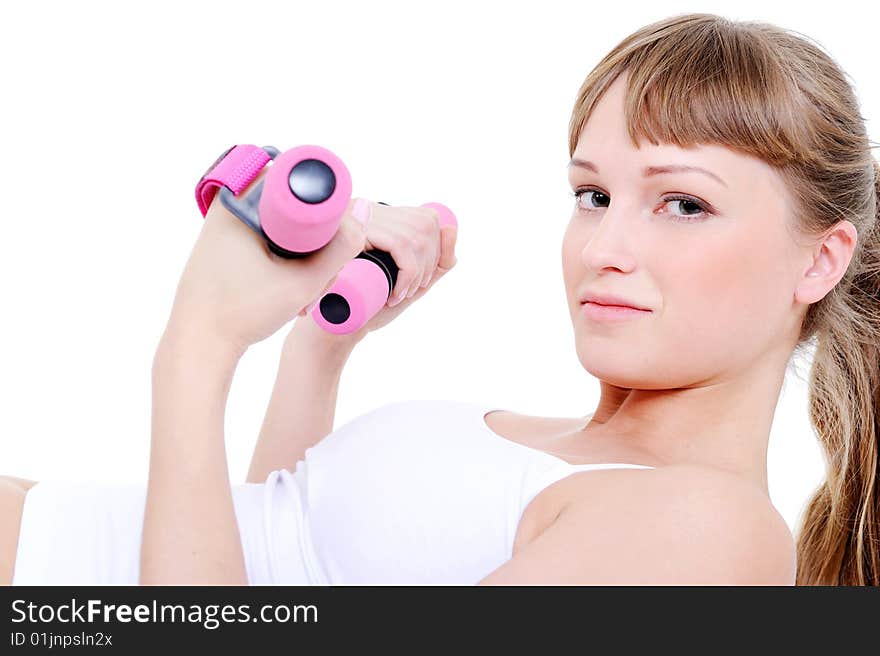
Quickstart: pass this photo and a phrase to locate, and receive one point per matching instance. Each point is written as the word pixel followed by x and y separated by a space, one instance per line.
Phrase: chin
pixel 619 379
pixel 611 369
pixel 620 368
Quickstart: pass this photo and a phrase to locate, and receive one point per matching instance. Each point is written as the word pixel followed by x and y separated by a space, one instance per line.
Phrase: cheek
pixel 573 271
pixel 725 301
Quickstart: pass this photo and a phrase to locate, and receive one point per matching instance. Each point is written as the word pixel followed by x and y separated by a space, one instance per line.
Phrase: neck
pixel 723 423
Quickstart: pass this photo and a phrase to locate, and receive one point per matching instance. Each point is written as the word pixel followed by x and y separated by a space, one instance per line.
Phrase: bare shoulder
pixel 676 525
pixel 722 527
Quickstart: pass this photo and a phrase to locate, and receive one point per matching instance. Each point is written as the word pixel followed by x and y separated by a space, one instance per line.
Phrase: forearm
pixel 303 402
pixel 190 532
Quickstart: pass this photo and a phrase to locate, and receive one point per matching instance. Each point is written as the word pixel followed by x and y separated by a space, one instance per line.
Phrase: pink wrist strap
pixel 236 169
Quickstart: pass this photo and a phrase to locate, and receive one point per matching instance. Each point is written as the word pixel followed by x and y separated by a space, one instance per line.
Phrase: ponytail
pixel 839 541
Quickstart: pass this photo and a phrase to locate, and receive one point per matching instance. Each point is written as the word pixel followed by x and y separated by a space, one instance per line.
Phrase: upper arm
pixel 670 526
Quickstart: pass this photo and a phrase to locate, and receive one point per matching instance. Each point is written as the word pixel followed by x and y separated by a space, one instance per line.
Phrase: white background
pixel 111 112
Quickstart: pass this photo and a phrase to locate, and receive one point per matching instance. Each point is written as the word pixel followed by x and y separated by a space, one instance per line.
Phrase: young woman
pixel 725 217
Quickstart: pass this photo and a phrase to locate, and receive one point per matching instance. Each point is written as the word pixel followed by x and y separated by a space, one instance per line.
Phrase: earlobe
pixel 812 287
pixel 816 281
pixel 829 263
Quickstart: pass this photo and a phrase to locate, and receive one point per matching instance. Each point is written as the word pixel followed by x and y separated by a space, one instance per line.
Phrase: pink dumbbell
pixel 363 286
pixel 297 208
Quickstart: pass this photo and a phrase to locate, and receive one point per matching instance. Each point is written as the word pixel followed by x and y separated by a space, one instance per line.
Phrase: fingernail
pixel 362 210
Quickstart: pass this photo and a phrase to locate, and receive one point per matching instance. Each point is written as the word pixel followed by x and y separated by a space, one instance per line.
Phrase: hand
pixel 235 289
pixel 423 251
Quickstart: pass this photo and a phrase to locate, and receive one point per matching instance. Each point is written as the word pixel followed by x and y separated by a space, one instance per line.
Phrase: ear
pixel 830 258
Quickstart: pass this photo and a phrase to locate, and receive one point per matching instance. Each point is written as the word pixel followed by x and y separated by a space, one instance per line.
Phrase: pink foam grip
pixel 364 285
pixel 288 221
pixel 445 214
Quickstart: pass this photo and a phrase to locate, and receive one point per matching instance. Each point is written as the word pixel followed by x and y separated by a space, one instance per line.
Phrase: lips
pixel 612 300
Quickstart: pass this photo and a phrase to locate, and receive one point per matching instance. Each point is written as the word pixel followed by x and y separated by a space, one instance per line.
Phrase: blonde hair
pixel 773 94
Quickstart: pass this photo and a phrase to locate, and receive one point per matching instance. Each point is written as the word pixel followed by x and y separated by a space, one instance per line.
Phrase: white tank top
pixel 413 492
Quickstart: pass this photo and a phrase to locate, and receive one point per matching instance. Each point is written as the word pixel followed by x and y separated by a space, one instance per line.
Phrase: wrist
pixel 310 338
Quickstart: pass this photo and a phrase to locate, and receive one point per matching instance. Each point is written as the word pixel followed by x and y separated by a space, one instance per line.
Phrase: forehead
pixel 605 141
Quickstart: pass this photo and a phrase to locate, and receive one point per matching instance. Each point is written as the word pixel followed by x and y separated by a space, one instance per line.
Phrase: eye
pixel 702 212
pixel 580 192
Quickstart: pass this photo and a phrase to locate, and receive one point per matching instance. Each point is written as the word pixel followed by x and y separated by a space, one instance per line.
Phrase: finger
pixel 396 244
pixel 430 231
pixel 436 260
pixel 448 237
pixel 406 302
pixel 408 261
pixel 434 234
pixel 407 264
pixel 444 262
pixel 422 251
pixel 421 269
pixel 415 232
pixel 317 268
pixel 439 272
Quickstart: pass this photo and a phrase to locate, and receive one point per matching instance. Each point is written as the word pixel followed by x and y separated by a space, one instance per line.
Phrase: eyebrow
pixel 651 170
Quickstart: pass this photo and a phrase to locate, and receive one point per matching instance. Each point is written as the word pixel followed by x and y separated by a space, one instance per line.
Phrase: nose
pixel 610 244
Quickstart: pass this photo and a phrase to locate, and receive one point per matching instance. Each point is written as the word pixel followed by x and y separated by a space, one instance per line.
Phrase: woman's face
pixel 717 272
